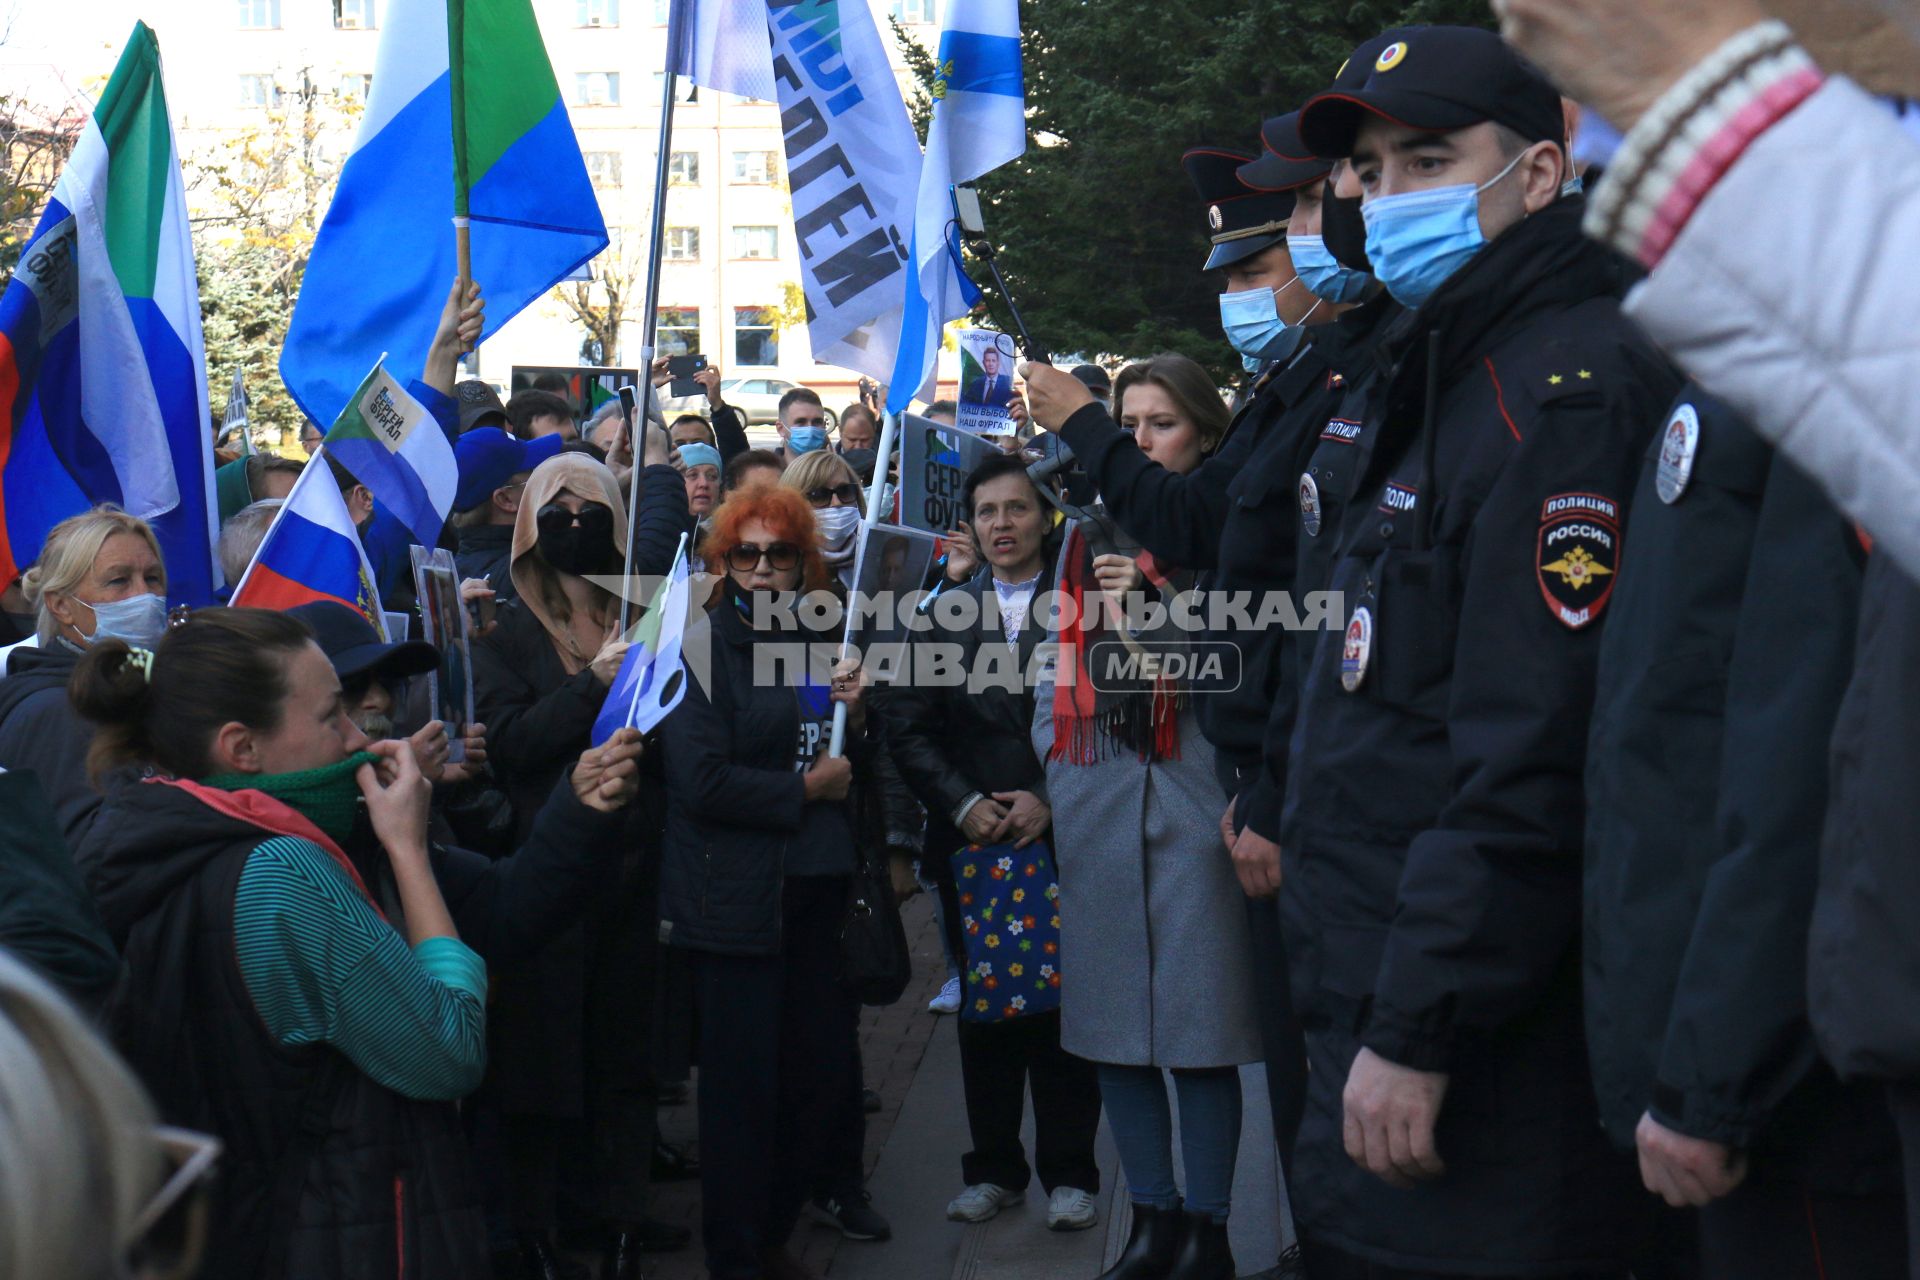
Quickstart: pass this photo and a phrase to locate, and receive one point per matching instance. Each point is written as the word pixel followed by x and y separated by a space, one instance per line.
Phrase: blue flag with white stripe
pixel 979 123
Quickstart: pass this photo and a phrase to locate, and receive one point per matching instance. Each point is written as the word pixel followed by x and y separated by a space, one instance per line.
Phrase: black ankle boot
pixel 1151 1245
pixel 1204 1252
pixel 621 1258
pixel 539 1261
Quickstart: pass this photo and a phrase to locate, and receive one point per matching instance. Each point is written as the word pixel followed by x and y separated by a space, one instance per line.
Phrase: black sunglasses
pixel 746 556
pixel 594 519
pixel 821 496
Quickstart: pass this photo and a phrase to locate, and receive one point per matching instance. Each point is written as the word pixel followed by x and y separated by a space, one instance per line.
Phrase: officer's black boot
pixel 1151 1245
pixel 538 1261
pixel 1204 1253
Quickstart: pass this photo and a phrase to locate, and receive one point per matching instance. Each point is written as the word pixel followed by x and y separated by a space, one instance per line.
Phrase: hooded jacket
pixel 40 730
pixel 325 1173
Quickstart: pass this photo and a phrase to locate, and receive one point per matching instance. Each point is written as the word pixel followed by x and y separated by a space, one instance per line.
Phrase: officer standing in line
pixel 1706 791
pixel 1434 808
pixel 1233 517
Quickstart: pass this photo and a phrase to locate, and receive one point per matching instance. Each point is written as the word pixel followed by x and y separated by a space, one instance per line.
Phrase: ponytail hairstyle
pixel 163 708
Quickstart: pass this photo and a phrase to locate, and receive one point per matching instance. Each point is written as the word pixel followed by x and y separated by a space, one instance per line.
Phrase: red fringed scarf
pixel 1090 726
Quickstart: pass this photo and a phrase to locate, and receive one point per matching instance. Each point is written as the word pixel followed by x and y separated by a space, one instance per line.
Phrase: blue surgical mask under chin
pixel 139 620
pixel 805 439
pixel 1251 318
pixel 1324 275
pixel 1416 240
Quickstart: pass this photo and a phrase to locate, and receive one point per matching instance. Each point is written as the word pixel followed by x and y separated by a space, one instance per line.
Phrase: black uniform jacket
pixel 1232 520
pixel 1722 667
pixel 1431 832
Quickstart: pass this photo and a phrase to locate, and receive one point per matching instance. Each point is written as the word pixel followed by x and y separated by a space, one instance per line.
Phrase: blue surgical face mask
pixel 1323 274
pixel 139 620
pixel 1416 240
pixel 1251 318
pixel 806 439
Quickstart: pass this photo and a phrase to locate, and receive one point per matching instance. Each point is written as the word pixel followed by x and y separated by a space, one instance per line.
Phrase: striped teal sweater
pixel 324 968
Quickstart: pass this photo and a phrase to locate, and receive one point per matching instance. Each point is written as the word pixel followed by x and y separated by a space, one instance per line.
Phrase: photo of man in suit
pixel 992 387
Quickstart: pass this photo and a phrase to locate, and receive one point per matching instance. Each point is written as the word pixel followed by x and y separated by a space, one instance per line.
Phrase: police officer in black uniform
pixel 1233 517
pixel 1433 811
pixel 1728 647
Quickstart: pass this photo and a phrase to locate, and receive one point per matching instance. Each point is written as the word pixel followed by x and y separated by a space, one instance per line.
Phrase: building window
pixel 756 338
pixel 596 13
pixel 684 168
pixel 596 88
pixel 259 91
pixel 912 10
pixel 683 244
pixel 352 15
pixel 603 167
pixel 755 166
pixel 259 15
pixel 755 242
pixel 677 331
pixel 684 90
pixel 356 85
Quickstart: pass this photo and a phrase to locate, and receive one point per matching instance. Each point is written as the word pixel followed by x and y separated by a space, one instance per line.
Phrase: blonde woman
pixel 99 575
pixel 831 488
pixel 79 1158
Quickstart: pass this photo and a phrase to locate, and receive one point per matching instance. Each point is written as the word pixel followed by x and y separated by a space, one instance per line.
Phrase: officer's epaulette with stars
pixel 1561 371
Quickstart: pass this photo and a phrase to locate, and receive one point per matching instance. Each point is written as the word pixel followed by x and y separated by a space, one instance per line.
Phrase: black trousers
pixel 1283 1044
pixel 999 1063
pixel 779 1058
pixel 1904 1100
pixel 1788 1233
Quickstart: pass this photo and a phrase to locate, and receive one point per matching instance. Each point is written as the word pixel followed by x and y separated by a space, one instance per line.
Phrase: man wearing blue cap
pixel 1434 789
pixel 494 467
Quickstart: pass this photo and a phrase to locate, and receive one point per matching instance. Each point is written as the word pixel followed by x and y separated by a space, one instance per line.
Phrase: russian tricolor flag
pixel 310 553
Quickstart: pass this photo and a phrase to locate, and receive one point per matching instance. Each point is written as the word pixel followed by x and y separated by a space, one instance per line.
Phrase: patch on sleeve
pixel 1579 553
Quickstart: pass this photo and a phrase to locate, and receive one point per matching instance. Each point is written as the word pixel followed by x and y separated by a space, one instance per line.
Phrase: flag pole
pixel 883 457
pixel 457 92
pixel 676 34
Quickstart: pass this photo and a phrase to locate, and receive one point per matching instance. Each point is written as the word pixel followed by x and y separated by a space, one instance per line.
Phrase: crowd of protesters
pixel 1552 870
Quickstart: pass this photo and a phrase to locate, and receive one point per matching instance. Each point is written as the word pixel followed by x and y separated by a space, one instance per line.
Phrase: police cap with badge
pixel 1242 221
pixel 1435 79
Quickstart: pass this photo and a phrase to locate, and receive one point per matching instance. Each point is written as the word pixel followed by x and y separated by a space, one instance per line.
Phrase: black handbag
pixel 874 964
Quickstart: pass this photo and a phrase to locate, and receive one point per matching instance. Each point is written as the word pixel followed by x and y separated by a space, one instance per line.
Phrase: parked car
pixel 757 399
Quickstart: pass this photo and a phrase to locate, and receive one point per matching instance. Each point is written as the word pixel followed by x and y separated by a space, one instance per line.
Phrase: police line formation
pixel 1554 881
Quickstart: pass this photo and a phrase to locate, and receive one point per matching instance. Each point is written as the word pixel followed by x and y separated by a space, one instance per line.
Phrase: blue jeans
pixel 1142 1122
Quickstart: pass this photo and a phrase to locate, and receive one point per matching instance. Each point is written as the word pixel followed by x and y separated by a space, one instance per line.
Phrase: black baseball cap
pixel 1284 163
pixel 1240 221
pixel 355 648
pixel 1437 79
pixel 1093 378
pixel 479 405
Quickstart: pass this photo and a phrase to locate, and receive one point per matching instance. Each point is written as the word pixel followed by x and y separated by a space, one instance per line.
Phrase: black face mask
pixel 579 543
pixel 1344 232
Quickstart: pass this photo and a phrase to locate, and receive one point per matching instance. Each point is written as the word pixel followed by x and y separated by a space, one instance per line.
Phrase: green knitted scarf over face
pixel 325 796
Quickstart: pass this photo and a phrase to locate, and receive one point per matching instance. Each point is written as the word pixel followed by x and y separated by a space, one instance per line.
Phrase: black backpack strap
pixel 290 1175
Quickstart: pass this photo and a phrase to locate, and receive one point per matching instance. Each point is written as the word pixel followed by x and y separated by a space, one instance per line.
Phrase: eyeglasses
pixel 821 496
pixel 170 1232
pixel 745 557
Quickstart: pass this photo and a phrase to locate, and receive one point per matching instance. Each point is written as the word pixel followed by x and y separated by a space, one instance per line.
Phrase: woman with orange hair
pixel 761 831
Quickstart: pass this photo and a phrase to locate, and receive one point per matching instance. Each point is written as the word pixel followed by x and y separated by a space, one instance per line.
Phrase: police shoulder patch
pixel 1578 555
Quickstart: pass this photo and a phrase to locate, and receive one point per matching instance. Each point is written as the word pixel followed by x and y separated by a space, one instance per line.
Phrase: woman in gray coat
pixel 1156 970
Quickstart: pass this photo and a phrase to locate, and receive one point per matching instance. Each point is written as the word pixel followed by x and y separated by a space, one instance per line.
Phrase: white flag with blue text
pixel 979 123
pixel 853 161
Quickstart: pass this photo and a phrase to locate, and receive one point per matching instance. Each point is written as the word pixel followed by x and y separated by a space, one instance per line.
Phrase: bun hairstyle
pixel 219 666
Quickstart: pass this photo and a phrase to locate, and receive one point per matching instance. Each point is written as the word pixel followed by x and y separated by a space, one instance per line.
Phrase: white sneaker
pixel 1071 1209
pixel 980 1201
pixel 948 1001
